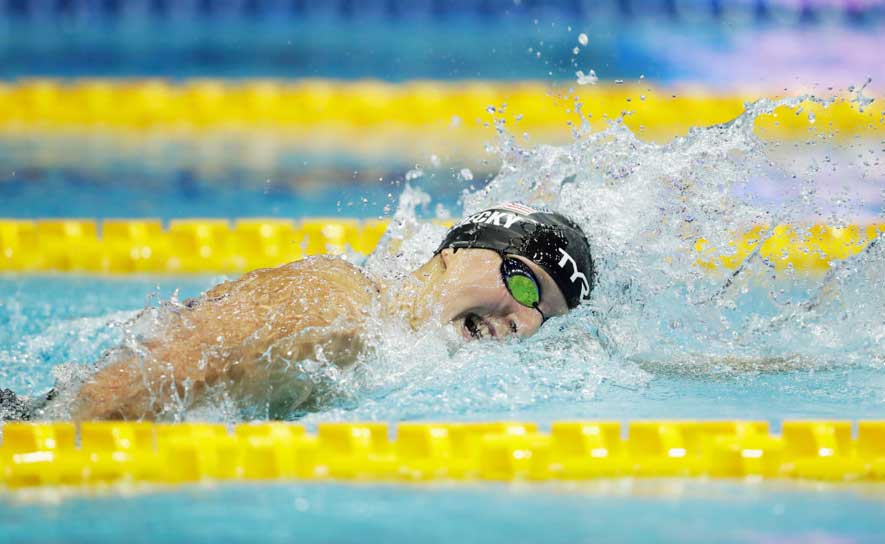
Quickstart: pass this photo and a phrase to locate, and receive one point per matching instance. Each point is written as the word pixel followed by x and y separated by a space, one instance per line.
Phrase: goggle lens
pixel 523 290
pixel 521 282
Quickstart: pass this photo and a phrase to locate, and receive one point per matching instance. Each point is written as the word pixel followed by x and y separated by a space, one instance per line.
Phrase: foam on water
pixel 643 207
pixel 654 312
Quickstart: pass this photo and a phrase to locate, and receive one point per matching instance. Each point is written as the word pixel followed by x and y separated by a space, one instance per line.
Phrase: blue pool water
pixel 65 177
pixel 734 51
pixel 609 511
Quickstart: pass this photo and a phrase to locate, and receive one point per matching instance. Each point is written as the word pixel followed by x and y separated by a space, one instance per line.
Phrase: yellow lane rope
pixel 365 107
pixel 100 452
pixel 220 246
pixel 186 246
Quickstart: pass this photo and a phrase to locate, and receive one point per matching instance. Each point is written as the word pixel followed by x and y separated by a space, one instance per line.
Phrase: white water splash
pixel 586 79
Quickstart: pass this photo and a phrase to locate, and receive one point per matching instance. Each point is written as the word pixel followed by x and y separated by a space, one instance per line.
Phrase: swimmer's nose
pixel 523 322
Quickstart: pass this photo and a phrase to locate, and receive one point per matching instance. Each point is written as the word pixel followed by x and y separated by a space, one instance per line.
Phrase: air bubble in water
pixel 582 39
pixel 465 174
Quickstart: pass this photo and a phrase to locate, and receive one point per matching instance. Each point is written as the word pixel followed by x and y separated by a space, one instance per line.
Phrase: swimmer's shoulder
pixel 337 271
pixel 318 276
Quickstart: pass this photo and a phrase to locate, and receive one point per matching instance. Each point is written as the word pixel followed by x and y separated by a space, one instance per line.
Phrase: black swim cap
pixel 549 239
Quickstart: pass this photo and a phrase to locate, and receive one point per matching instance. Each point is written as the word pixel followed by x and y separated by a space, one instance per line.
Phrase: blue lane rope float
pixel 486 10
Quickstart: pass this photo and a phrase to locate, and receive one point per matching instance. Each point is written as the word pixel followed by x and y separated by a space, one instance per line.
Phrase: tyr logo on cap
pixel 576 274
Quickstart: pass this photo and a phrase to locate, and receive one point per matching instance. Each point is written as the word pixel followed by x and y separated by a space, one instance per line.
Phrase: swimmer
pixel 499 273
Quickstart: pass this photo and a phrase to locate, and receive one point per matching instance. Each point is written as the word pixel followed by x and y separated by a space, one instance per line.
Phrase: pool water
pixel 609 511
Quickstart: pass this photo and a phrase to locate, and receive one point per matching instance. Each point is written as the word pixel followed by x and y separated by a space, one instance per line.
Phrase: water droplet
pixel 465 174
pixel 811 117
pixel 586 79
pixel 582 39
pixel 491 109
pixel 575 51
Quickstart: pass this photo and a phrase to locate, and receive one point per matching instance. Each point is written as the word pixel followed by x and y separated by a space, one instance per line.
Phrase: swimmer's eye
pixel 523 285
pixel 521 282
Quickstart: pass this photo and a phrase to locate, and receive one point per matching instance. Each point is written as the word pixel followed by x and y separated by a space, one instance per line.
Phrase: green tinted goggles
pixel 521 282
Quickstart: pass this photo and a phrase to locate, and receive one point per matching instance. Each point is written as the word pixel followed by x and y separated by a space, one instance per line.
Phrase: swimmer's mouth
pixel 477 328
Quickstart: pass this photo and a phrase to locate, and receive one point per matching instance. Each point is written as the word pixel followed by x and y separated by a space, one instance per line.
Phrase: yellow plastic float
pixel 310 107
pixel 48 454
pixel 220 246
pixel 186 246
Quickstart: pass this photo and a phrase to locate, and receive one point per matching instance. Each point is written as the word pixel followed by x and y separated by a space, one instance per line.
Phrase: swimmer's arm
pixel 183 367
pixel 133 389
pixel 179 373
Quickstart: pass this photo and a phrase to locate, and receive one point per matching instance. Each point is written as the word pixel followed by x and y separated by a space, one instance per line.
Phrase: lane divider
pixel 463 107
pixel 47 454
pixel 186 246
pixel 219 246
pixel 210 12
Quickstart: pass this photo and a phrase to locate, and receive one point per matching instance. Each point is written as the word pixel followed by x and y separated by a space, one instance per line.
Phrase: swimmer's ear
pixel 445 255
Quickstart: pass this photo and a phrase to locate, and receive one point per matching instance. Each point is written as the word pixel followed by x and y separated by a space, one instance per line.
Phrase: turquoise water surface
pixel 609 511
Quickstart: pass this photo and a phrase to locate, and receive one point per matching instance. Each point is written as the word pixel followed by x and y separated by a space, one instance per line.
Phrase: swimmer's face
pixel 474 298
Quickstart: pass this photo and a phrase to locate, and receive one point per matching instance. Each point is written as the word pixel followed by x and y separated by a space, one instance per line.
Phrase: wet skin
pixel 245 336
